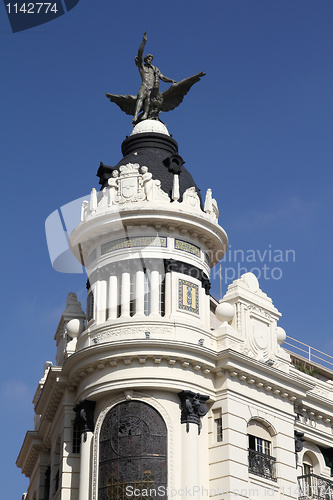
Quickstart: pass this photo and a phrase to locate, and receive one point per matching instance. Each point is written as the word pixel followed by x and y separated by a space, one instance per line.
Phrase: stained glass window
pixel 133 453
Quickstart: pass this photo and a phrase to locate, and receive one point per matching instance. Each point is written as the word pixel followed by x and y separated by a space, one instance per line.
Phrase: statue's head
pixel 148 58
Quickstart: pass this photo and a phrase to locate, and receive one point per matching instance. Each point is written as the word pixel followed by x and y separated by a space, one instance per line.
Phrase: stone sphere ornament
pixel 150 126
pixel 280 335
pixel 225 312
pixel 74 328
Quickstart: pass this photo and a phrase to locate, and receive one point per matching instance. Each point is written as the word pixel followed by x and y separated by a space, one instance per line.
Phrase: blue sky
pixel 257 129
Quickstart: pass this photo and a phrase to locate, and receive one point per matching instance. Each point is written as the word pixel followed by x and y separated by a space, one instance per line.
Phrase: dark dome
pixel 158 152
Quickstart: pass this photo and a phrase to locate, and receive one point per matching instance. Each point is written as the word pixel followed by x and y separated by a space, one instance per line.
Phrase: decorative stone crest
pixel 193 407
pixel 129 186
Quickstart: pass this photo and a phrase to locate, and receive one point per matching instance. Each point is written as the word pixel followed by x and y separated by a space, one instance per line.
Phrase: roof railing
pixel 311 354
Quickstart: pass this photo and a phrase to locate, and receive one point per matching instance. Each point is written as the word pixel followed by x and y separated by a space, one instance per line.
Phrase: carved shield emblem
pixel 128 187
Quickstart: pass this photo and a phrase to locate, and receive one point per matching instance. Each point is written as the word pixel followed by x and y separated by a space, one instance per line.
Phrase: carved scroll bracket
pixel 193 407
pixel 84 419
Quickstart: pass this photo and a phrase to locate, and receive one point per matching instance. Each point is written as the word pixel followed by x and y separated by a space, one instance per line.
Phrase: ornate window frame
pixel 131 395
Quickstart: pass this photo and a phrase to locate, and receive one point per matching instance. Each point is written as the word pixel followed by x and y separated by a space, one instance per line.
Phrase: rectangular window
pixel 162 296
pixel 57 480
pixel 132 294
pixel 47 483
pixel 218 429
pixel 119 296
pixel 90 306
pixel 76 438
pixel 260 445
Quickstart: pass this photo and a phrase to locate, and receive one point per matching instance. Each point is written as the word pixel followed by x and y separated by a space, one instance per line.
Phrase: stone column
pixel 140 293
pixel 192 409
pixel 85 420
pixel 125 293
pixel 154 293
pixel 113 297
pixel 100 301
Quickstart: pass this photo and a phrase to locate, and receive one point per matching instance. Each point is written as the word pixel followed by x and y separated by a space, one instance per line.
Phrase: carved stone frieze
pixel 131 331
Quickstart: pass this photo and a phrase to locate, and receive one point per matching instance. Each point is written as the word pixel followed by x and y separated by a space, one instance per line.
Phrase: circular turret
pixel 148 242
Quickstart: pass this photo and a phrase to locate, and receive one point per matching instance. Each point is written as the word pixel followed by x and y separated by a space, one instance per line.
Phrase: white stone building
pixel 175 395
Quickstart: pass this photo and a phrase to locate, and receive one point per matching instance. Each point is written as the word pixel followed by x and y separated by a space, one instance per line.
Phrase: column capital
pixel 85 416
pixel 193 407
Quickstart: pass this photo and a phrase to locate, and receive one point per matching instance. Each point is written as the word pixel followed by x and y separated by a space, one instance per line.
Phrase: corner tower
pixel 148 243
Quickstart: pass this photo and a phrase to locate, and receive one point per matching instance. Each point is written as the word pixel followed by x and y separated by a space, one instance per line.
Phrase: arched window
pixel 261 460
pixel 132 453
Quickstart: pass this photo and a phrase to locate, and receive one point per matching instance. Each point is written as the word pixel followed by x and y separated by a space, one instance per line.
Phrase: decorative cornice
pixel 53 390
pixel 198 224
pixel 30 450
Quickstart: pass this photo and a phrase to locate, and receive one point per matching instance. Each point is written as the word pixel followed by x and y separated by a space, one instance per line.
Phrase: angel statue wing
pixel 125 102
pixel 174 95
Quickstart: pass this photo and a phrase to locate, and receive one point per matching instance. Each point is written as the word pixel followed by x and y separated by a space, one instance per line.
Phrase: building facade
pixel 158 390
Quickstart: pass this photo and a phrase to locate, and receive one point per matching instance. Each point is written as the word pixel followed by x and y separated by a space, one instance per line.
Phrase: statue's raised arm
pixel 138 58
pixel 150 101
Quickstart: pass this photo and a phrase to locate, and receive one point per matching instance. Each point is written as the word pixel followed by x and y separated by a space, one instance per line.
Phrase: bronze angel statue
pixel 150 101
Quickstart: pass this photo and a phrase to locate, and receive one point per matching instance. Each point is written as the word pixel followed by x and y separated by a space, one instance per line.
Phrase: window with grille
pixel 132 453
pixel 162 295
pixel 261 462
